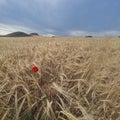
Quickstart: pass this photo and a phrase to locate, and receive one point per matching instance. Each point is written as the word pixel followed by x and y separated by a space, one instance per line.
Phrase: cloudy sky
pixel 61 17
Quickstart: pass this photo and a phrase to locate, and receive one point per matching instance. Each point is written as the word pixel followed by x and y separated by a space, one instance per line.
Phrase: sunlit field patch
pixel 73 78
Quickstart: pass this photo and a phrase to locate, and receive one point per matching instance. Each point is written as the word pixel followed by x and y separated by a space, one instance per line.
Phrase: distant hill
pixel 19 34
pixel 34 34
pixel 88 36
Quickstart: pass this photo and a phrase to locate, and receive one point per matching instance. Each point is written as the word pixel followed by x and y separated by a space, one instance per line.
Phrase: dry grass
pixel 79 78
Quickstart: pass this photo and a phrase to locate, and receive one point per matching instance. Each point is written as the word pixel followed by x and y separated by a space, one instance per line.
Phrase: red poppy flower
pixel 35 69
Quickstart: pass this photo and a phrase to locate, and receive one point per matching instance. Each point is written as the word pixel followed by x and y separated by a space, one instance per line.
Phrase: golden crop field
pixel 78 78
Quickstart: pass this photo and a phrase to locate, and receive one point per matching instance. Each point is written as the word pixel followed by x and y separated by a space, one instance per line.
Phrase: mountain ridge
pixel 19 34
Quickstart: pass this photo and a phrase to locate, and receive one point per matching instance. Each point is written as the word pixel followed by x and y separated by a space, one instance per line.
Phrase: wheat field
pixel 78 78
